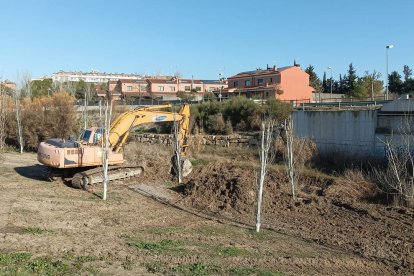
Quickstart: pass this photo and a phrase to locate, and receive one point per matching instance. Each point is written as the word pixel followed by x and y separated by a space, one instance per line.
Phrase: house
pixel 131 88
pixel 8 84
pixel 167 89
pixel 289 83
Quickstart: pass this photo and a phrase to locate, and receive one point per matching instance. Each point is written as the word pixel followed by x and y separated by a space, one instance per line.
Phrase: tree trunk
pixel 267 130
pixel 19 124
pixel 290 156
pixel 105 146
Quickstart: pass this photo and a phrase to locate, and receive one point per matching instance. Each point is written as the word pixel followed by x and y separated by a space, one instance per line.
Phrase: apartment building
pixel 132 88
pixel 92 77
pixel 288 83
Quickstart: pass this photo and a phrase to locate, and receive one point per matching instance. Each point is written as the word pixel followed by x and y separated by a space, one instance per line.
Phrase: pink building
pixel 286 84
pixel 167 88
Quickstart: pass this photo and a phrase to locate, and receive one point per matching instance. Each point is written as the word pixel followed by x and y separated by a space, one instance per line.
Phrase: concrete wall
pixel 338 131
pixel 358 133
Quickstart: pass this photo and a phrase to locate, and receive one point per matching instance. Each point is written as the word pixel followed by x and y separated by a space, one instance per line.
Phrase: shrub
pixel 42 118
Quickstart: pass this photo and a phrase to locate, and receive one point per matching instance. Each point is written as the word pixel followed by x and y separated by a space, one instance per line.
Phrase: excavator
pixel 81 159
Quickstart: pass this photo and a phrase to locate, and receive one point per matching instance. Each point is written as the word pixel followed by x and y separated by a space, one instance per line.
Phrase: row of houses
pixel 163 88
pixel 288 83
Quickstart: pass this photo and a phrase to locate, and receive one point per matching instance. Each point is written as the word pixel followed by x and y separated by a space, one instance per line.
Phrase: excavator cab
pixel 92 135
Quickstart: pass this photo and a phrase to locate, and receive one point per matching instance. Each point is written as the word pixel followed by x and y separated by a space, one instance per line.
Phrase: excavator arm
pixel 123 125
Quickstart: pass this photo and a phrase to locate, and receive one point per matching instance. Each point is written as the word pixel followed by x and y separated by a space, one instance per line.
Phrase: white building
pixel 92 77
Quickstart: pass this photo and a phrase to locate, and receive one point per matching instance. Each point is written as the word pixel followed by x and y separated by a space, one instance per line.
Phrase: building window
pixel 129 88
pixel 236 84
pixel 260 82
pixel 160 88
pixel 198 88
pixel 187 88
pixel 271 80
pixel 143 88
pixel 247 83
pixel 172 88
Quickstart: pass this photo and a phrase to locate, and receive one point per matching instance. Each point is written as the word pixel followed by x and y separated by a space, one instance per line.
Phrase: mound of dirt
pixel 328 211
pixel 154 158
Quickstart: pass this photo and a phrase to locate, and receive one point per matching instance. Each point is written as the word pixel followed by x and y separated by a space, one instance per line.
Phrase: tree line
pixel 367 85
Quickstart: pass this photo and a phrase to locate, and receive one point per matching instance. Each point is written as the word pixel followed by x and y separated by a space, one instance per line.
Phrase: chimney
pixel 274 68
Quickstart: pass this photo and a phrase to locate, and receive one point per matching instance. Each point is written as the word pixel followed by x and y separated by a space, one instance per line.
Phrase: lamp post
pixel 386 65
pixel 330 68
pixel 221 88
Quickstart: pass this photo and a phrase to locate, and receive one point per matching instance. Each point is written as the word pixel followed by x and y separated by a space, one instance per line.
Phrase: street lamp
pixel 221 88
pixel 330 68
pixel 386 77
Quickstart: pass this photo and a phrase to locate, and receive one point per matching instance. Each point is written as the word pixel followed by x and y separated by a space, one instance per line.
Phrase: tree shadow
pixel 35 172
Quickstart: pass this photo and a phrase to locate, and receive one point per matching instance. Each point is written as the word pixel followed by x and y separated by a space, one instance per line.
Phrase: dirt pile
pixel 155 159
pixel 331 212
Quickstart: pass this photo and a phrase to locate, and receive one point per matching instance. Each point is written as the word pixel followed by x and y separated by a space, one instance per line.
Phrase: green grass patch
pixel 46 266
pixel 196 269
pixel 232 251
pixel 7 259
pixel 37 230
pixel 199 162
pixel 244 271
pixel 201 269
pixel 22 263
pixel 163 245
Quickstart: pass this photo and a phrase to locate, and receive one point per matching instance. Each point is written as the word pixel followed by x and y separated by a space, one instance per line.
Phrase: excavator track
pixel 88 178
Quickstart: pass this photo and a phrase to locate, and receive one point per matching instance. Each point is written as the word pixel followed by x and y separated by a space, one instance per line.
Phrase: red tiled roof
pixel 260 72
pixel 174 81
pixel 131 81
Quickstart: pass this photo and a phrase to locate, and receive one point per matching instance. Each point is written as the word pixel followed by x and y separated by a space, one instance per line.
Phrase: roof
pixel 260 72
pixel 131 81
pixel 174 81
pixel 252 88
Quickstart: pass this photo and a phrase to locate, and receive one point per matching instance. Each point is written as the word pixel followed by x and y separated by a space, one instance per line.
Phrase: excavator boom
pixel 62 155
pixel 123 125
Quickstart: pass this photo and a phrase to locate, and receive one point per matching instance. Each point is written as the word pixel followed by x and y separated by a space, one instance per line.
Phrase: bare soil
pixel 132 234
pixel 335 212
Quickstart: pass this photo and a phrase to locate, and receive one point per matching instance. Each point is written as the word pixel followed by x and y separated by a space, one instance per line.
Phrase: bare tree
pixel 397 178
pixel 299 151
pixel 105 144
pixel 289 158
pixel 19 93
pixel 265 158
pixel 3 114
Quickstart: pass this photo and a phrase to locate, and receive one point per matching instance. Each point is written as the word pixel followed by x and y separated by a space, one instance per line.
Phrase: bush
pixel 42 118
pixel 239 112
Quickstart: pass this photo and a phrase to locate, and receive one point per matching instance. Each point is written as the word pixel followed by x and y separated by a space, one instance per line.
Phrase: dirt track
pixel 135 235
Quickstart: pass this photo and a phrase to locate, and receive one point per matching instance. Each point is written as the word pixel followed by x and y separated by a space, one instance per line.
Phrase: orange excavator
pixel 81 159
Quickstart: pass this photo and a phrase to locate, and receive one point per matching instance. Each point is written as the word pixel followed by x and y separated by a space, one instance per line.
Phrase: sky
pixel 203 38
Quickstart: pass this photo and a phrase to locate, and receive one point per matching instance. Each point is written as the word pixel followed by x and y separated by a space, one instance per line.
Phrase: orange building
pixel 8 84
pixel 286 84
